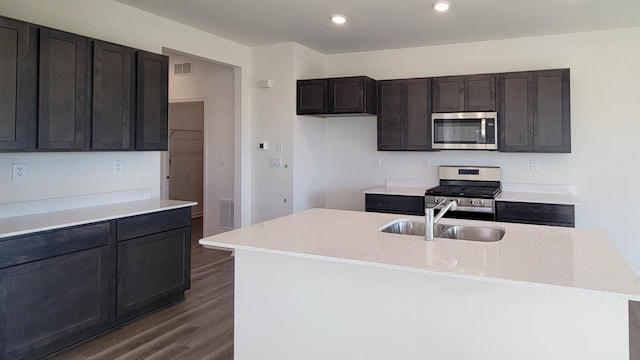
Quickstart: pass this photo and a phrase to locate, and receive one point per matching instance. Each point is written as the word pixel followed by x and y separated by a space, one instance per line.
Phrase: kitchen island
pixel 328 284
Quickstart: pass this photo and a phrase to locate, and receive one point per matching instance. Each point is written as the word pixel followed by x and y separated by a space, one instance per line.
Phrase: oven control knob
pixel 482 202
pixel 473 202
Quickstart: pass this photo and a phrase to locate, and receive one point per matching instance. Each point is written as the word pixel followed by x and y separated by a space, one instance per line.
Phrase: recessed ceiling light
pixel 441 5
pixel 339 19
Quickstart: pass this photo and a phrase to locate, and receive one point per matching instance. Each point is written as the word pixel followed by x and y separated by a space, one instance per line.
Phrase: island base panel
pixel 325 309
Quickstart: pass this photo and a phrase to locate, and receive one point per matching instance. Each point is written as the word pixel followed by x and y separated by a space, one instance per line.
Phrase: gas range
pixel 474 188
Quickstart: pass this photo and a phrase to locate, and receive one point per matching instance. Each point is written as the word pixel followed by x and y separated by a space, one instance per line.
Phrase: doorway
pixel 186 153
pixel 202 89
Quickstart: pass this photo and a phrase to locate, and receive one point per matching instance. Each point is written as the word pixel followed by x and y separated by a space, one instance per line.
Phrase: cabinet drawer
pixel 534 213
pixel 395 204
pixel 23 249
pixel 141 225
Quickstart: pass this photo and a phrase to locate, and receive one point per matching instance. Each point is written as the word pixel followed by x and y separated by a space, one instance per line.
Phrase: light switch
pixel 275 162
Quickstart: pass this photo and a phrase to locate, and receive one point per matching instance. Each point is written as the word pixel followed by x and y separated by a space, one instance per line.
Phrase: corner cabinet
pixel 66 92
pixel 404 111
pixel 464 93
pixel 534 111
pixel 19 90
pixel 60 287
pixel 337 96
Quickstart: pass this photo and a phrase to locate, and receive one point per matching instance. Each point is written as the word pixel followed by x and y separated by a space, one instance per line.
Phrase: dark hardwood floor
pixel 200 327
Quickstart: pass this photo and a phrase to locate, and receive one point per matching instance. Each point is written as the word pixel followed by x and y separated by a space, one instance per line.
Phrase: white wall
pixel 273 110
pixel 309 176
pixel 605 124
pixel 112 21
pixel 213 83
pixel 300 185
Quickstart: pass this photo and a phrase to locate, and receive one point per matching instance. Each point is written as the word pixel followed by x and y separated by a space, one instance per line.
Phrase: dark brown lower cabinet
pixel 534 213
pixel 61 287
pixel 394 204
pixel 50 301
pixel 151 268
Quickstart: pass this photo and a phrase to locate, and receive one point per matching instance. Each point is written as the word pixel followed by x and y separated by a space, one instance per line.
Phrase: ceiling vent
pixel 183 69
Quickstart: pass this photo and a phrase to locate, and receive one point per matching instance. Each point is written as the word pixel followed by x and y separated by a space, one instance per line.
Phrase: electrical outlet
pixel 19 171
pixel 533 165
pixel 377 162
pixel 118 166
pixel 426 162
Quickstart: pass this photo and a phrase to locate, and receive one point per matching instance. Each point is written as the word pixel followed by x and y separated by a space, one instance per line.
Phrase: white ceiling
pixel 390 24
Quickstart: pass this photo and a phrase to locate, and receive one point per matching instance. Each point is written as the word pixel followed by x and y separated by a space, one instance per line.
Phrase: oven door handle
pixel 477 209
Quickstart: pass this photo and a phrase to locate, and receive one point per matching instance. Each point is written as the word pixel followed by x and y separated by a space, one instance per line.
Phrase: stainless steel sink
pixel 472 233
pixel 458 232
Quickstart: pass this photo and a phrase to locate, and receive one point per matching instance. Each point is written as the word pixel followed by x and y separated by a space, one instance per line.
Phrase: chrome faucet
pixel 430 219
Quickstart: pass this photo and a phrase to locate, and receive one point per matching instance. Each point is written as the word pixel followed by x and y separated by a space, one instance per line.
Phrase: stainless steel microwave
pixel 465 131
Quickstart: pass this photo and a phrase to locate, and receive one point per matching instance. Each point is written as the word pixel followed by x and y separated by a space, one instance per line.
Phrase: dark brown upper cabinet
pixel 64 91
pixel 534 111
pixel 337 96
pixel 404 110
pixel 114 97
pixel 19 84
pixel 551 111
pixel 312 97
pixel 152 101
pixel 464 93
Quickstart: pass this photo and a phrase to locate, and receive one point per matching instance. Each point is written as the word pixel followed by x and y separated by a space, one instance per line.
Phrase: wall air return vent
pixel 183 69
pixel 226 214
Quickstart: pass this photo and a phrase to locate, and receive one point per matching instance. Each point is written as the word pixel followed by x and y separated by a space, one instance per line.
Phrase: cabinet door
pixel 515 114
pixel 551 112
pixel 391 103
pixel 418 115
pixel 448 94
pixel 480 93
pixel 152 267
pixel 312 97
pixel 18 93
pixel 49 300
pixel 152 102
pixel 394 204
pixel 113 97
pixel 534 213
pixel 346 95
pixel 64 90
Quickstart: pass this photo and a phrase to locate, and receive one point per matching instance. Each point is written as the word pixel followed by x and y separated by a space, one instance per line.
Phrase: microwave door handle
pixel 483 131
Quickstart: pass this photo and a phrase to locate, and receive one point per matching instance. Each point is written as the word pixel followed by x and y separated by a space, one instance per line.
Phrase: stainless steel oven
pixel 465 131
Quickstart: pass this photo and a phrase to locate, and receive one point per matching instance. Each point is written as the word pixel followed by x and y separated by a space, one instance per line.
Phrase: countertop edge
pixel 170 205
pixel 496 280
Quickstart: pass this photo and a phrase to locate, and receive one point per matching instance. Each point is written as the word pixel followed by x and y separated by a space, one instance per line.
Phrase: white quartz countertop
pixel 398 190
pixel 536 197
pixel 20 225
pixel 572 258
pixel 513 196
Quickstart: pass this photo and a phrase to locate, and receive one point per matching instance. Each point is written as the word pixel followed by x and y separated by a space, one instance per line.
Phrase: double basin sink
pixel 458 232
